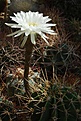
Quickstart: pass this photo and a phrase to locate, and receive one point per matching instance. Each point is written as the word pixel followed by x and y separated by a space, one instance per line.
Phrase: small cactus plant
pixel 61 103
pixel 61 58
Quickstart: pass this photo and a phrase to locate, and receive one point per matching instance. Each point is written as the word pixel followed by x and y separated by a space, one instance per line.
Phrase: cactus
pixel 6 107
pixel 61 103
pixel 61 58
pixel 75 30
pixel 14 86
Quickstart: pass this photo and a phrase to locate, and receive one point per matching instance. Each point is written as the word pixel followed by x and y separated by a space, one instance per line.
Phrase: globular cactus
pixel 59 57
pixel 6 107
pixel 61 103
pixel 75 30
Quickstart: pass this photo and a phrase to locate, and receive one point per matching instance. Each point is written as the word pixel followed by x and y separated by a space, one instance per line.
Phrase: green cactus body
pixel 46 114
pixel 62 105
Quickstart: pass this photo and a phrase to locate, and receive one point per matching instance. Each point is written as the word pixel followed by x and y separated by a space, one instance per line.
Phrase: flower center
pixel 32 24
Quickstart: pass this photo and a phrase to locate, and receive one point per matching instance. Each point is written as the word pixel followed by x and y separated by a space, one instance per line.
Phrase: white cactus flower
pixel 31 23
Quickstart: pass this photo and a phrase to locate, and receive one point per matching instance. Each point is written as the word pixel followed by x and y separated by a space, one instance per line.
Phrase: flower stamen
pixel 33 24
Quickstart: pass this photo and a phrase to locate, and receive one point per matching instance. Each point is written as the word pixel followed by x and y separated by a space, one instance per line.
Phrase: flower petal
pixel 24 41
pixel 21 32
pixel 33 38
pixel 14 33
pixel 13 25
pixel 44 37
